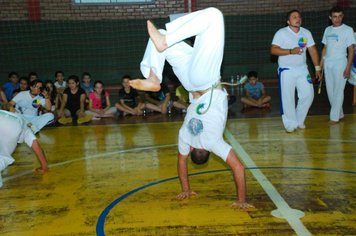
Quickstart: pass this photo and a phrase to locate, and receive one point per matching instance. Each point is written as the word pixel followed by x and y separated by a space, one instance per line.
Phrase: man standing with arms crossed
pixel 290 44
pixel 338 38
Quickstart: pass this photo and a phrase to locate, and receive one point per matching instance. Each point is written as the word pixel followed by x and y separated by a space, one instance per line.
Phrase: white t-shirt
pixel 27 105
pixel 205 131
pixel 285 38
pixel 337 40
pixel 60 86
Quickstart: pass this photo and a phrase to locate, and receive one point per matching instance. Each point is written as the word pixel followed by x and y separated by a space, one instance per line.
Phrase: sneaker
pixel 302 126
pixel 290 129
pixel 64 120
pixel 34 129
pixel 84 119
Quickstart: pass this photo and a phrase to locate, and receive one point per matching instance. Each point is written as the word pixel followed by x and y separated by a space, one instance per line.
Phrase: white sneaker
pixel 290 129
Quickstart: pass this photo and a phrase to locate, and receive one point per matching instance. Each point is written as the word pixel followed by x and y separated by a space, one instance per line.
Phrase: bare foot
pixel 152 83
pixel 158 39
pixel 145 85
pixel 331 122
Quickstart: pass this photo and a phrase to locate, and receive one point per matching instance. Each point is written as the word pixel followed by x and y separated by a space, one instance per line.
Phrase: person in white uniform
pixel 27 104
pixel 290 44
pixel 336 59
pixel 198 69
pixel 14 130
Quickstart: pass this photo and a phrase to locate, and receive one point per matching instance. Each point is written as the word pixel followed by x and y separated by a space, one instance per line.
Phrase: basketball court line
pixel 282 206
pixel 4 179
pixel 88 157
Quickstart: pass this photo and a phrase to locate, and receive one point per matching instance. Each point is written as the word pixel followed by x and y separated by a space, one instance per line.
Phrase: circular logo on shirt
pixel 195 126
pixel 302 42
pixel 36 103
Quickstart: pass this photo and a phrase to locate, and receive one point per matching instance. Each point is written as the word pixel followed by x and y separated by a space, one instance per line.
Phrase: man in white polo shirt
pixel 290 44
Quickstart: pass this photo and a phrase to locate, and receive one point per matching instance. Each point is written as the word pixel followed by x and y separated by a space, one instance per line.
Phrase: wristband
pixel 290 51
pixel 317 68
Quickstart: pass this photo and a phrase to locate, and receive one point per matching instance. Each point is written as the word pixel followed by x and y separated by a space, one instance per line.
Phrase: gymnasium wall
pixel 109 41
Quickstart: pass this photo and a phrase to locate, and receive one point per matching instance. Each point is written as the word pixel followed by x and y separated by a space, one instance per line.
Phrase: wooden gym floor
pixel 119 177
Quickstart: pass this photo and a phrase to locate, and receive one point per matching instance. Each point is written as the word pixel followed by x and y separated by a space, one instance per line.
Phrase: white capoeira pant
pixel 291 78
pixel 39 121
pixel 335 85
pixel 198 67
pixel 13 130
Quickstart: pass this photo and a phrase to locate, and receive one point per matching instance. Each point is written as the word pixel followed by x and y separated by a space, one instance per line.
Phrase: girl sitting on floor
pixel 99 103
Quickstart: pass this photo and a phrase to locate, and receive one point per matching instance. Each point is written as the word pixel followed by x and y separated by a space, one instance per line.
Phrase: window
pixel 111 2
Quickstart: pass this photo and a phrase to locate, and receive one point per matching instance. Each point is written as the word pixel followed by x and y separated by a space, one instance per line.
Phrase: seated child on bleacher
pixel 159 101
pixel 23 86
pixel 127 99
pixel 87 86
pixel 73 103
pixel 60 83
pixel 255 92
pixel 10 86
pixel 99 103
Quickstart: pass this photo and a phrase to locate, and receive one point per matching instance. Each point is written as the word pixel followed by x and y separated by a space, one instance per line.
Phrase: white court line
pixel 281 204
pixel 302 139
pixel 86 158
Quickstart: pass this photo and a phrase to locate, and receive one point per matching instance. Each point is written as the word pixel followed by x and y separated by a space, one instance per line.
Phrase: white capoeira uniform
pixel 13 129
pixel 28 107
pixel 337 40
pixel 197 68
pixel 293 74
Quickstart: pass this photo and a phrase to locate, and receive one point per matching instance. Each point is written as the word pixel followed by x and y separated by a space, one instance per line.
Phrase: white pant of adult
pixel 290 79
pixel 39 121
pixel 198 67
pixel 335 85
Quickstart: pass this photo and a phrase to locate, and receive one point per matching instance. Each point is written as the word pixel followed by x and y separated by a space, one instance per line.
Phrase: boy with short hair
pixel 127 95
pixel 23 86
pixel 255 92
pixel 87 86
pixel 60 83
pixel 10 86
pixel 32 76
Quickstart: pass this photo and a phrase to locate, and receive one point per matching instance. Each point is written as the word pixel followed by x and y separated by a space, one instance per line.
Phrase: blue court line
pixel 105 213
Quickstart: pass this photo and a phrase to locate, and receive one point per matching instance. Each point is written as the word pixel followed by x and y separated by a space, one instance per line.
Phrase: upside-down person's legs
pixel 205 60
pixel 201 64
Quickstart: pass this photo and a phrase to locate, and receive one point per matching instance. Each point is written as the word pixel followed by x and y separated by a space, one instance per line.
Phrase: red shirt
pixel 97 101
